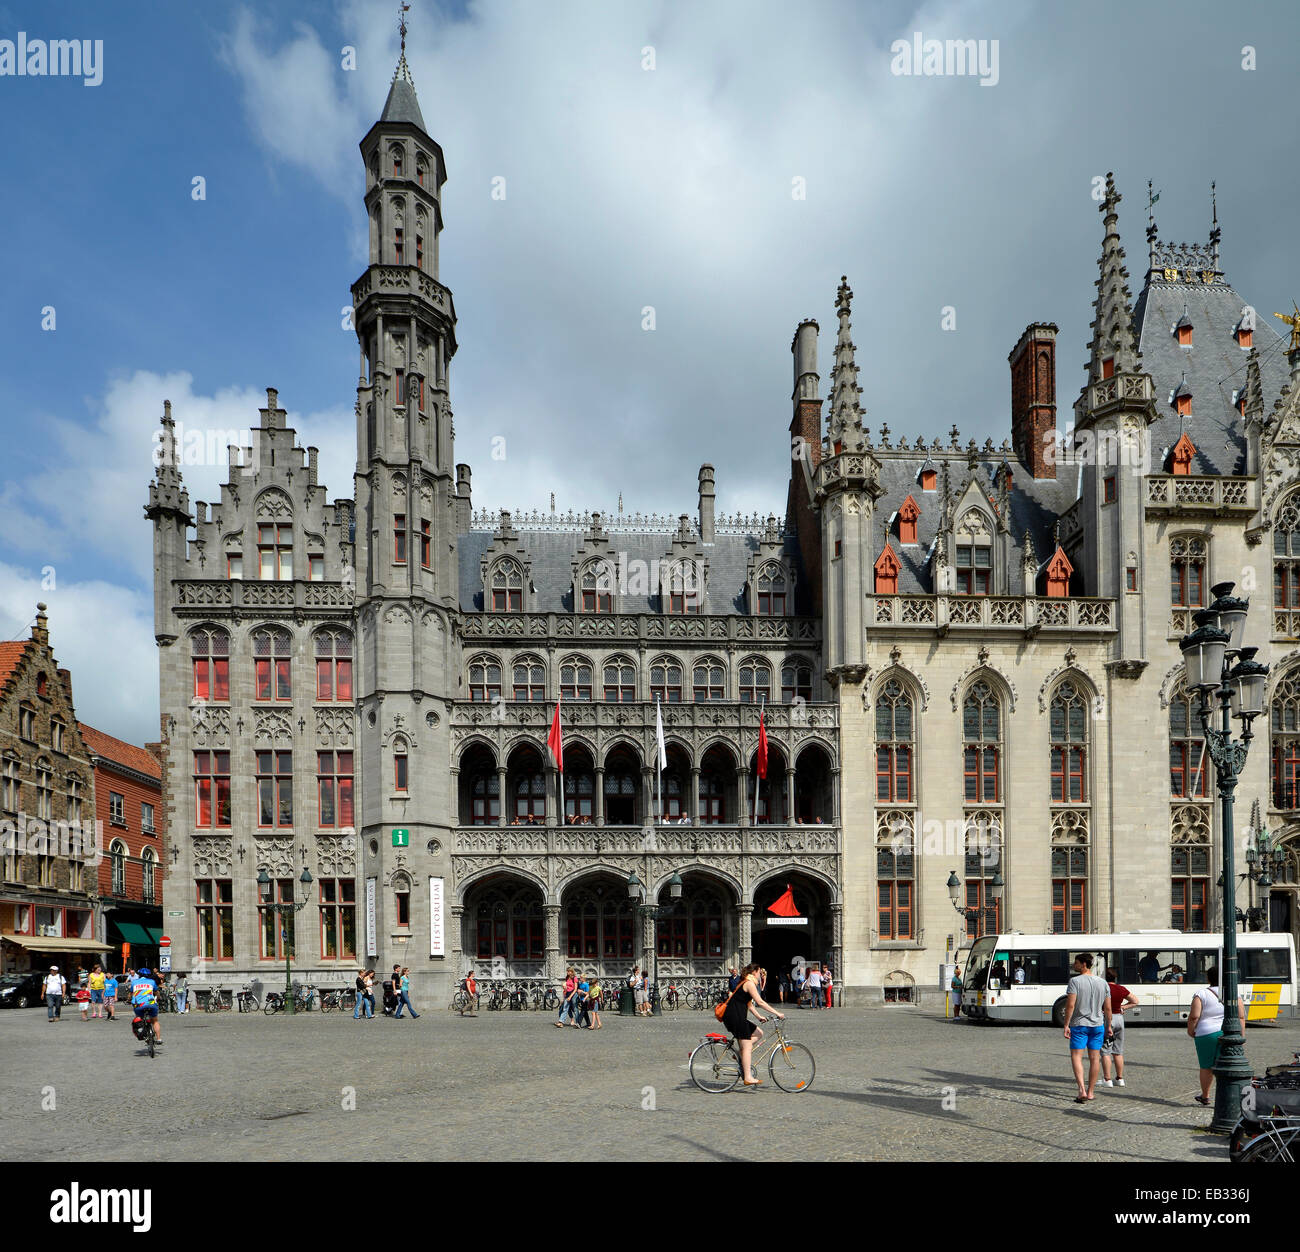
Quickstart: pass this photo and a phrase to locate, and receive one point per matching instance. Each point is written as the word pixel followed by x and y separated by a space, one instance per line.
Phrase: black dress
pixel 736 1018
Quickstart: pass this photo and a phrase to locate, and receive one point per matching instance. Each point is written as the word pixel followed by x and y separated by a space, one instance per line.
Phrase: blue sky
pixel 627 188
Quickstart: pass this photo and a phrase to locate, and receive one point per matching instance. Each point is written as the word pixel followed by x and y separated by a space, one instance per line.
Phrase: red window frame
pixel 483 691
pixel 1286 585
pixel 668 691
pixel 485 805
pixel 397 252
pixel 1186 578
pixel 274 778
pixel 334 790
pixel 1068 762
pixel 980 769
pixel 1069 905
pixel 972 579
pixel 426 543
pixel 212 789
pixel 217 907
pixel 618 691
pixel 274 551
pixel 979 896
pixel 1189 902
pixel 1285 773
pixel 276 929
pixel 1108 489
pixel 278 665
pixel 894 908
pixel 419 257
pixel 212 679
pixel 338 919
pixel 713 800
pixel 894 772
pixel 399 538
pixel 401 772
pixel 928 478
pixel 334 680
pixel 570 687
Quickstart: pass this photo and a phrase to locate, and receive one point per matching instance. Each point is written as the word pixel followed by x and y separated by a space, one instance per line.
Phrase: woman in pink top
pixel 566 1004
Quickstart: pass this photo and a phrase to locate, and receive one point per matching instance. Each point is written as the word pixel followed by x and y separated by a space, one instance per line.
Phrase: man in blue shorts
pixel 1087 1023
pixel 144 1000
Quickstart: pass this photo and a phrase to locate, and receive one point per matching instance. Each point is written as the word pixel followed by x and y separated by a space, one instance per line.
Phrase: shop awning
pixel 44 943
pixel 155 935
pixel 133 933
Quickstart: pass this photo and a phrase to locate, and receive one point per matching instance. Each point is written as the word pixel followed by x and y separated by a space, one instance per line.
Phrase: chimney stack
pixel 1033 399
pixel 464 503
pixel 40 632
pixel 706 503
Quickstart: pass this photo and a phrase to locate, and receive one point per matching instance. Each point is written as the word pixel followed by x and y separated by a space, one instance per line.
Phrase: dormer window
pixel 1239 401
pixel 908 512
pixel 1059 570
pixel 684 591
pixel 771 592
pixel 1184 331
pixel 597 593
pixel 274 551
pixel 1244 336
pixel 974 569
pixel 1181 457
pixel 1108 367
pixel 1183 399
pixel 886 572
pixel 507 588
pixel 928 477
pixel 234 565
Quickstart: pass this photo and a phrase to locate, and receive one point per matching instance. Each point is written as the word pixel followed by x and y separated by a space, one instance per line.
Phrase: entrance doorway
pixel 777 949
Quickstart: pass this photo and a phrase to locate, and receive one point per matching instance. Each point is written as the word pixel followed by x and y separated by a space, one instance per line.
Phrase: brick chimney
pixel 1033 399
pixel 40 631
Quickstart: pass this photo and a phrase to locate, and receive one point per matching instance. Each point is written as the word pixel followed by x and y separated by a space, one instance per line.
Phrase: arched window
pixel 983 863
pixel 685 590
pixel 666 680
pixel 509 923
pixel 117 867
pixel 334 666
pixel 982 737
pixel 575 678
pixel 713 798
pixel 530 796
pixel 1286 560
pixel 395 151
pixel 620 792
pixel 1187 572
pixel 696 930
pixel 1284 728
pixel 710 680
pixel 771 591
pixel 600 922
pixel 973 549
pixel 1069 735
pixel 271 665
pixel 507 588
pixel 485 800
pixel 894 744
pixel 895 874
pixel 620 680
pixel 755 682
pixel 579 795
pixel 1189 763
pixel 796 682
pixel 529 679
pixel 210 652
pixel 485 679
pixel 597 588
pixel 148 861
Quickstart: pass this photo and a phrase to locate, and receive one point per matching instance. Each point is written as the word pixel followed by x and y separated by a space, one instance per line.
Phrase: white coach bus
pixel 1022 978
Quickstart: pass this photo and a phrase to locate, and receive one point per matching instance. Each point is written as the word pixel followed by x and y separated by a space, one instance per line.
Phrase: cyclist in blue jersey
pixel 144 999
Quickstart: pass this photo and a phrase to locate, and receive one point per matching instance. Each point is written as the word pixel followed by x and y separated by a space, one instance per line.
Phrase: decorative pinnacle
pixel 844 296
pixel 1110 205
pixel 402 70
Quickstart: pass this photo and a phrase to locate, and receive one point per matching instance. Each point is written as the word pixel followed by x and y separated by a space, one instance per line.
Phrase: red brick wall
pixel 1033 404
pixel 134 793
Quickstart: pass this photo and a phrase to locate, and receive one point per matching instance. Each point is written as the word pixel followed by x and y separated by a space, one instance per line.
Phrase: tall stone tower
pixel 1111 418
pixel 407 601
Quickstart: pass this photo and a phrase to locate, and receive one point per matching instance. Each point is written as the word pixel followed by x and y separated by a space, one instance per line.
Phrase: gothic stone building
pixel 967 659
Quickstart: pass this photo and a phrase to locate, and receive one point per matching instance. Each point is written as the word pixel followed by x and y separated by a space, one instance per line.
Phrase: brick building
pixel 49 909
pixel 128 805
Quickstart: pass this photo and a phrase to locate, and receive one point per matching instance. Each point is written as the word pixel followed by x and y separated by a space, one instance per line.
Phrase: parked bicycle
pixel 715 1061
pixel 1270 1105
pixel 303 999
pixel 338 998
pixel 671 999
pixel 545 998
pixel 247 1001
pixel 219 1001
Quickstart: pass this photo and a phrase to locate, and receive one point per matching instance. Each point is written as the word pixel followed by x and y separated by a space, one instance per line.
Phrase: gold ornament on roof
pixel 1293 320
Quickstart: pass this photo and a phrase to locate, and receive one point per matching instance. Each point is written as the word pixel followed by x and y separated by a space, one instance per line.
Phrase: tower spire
pixel 1214 226
pixel 1112 338
pixel 845 427
pixel 1151 226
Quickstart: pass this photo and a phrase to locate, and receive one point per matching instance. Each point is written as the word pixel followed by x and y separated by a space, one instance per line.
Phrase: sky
pixel 719 164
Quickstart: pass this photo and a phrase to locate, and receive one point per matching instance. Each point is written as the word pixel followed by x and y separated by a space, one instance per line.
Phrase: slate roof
pixel 401 105
pixel 1035 505
pixel 1214 365
pixel 123 753
pixel 551 553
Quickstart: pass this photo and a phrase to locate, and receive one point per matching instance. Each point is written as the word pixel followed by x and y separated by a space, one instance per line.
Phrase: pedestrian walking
pixel 470 986
pixel 957 986
pixel 82 997
pixel 365 1000
pixel 1113 1049
pixel 582 1003
pixel 182 994
pixel 797 977
pixel 596 991
pixel 96 984
pixel 110 997
pixel 404 985
pixel 1205 1027
pixel 566 1000
pixel 829 983
pixel 55 987
pixel 814 985
pixel 733 979
pixel 640 993
pixel 1087 1023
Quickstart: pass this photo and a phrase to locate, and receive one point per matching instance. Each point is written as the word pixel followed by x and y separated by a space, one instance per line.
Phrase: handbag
pixel 720 1010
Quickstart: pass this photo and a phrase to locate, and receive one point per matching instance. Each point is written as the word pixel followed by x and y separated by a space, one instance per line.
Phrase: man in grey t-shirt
pixel 1087 1023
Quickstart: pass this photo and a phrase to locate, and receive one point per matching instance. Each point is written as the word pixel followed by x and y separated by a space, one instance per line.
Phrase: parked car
pixel 19 991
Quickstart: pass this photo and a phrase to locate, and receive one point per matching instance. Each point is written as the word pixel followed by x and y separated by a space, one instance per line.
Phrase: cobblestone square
pixel 510 1086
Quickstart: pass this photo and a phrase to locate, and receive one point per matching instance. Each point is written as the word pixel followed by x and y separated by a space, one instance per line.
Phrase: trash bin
pixel 626 1002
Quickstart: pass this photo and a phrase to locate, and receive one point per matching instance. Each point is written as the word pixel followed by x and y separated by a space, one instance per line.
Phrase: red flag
pixel 783 905
pixel 555 740
pixel 762 747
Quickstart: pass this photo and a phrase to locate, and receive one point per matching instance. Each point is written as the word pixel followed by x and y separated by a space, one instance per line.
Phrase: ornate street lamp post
pixel 1265 862
pixel 996 888
pixel 636 893
pixel 1217 665
pixel 283 907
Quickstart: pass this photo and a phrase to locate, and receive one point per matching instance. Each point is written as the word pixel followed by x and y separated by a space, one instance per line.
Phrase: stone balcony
pixel 1013 615
pixel 1201 495
pixel 198 596
pixel 635 628
pixel 402 278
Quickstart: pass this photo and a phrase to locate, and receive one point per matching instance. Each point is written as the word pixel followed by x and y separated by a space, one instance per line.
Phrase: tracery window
pixel 1069 744
pixel 982 738
pixel 1187 571
pixel 507 588
pixel 894 744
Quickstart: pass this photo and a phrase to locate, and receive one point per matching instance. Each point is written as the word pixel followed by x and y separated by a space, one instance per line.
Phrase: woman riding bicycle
pixel 749 994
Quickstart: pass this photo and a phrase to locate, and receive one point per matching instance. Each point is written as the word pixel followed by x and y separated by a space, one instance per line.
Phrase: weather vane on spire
pixel 401 25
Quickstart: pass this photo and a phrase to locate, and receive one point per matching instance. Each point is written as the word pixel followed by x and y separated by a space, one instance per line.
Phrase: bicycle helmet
pixel 143 973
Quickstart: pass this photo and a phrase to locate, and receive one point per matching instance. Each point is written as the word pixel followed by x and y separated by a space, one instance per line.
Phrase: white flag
pixel 659 737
